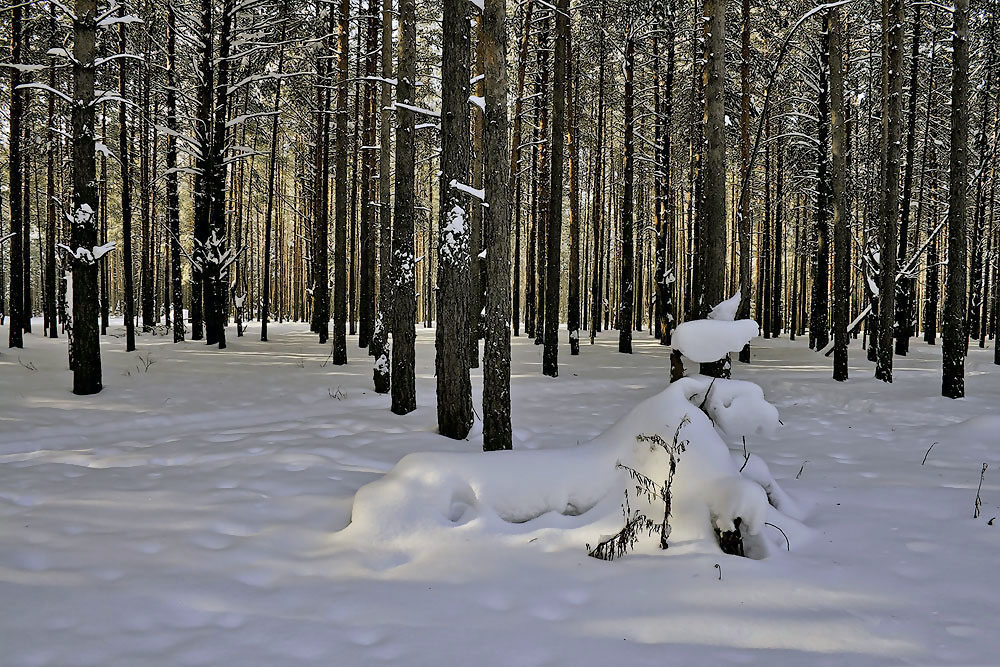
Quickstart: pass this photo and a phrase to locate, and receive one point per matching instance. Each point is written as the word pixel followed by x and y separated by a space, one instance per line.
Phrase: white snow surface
pixel 710 340
pixel 199 512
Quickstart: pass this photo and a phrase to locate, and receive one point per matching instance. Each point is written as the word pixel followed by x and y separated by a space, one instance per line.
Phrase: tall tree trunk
pixel 627 278
pixel 890 200
pixel 126 185
pixel 573 139
pixel 85 342
pixel 341 278
pixel 553 266
pixel 50 195
pixel 955 337
pixel 404 391
pixel 712 216
pixel 451 361
pixel 16 186
pixel 841 207
pixel 173 200
pixel 744 222
pixel 905 287
pixel 383 305
pixel 265 312
pixel 597 204
pixel 369 224
pixel 819 318
pixel 496 355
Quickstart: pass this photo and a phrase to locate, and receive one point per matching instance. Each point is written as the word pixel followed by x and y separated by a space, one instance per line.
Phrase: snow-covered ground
pixel 191 514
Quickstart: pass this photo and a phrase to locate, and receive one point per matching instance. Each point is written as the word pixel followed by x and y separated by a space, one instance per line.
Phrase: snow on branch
pixel 88 256
pixel 415 109
pixel 468 189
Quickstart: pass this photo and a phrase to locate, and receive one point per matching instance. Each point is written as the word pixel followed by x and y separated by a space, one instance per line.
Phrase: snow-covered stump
pixel 671 446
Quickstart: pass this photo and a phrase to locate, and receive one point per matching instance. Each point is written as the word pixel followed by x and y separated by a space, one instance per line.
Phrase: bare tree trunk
pixel 955 336
pixel 271 168
pixel 572 91
pixel 841 208
pixel 905 286
pixel 383 305
pixel 890 224
pixel 597 204
pixel 16 185
pixel 126 185
pixel 553 266
pixel 404 392
pixel 496 355
pixel 451 361
pixel 744 222
pixel 85 341
pixel 712 215
pixel 50 191
pixel 627 276
pixel 341 278
pixel 173 200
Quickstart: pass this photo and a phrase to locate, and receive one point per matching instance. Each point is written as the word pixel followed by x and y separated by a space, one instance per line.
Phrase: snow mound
pixel 434 498
pixel 704 341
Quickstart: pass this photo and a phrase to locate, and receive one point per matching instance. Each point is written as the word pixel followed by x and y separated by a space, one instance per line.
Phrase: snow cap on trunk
pixel 705 341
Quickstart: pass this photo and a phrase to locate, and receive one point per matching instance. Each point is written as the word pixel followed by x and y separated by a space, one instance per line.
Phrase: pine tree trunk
pixel 404 393
pixel 573 139
pixel 627 277
pixel 341 277
pixel 890 201
pixel 955 337
pixel 85 342
pixel 819 317
pixel 384 302
pixel 496 355
pixel 597 204
pixel 124 145
pixel 451 361
pixel 173 200
pixel 16 185
pixel 744 221
pixel 841 208
pixel 50 191
pixel 905 286
pixel 553 258
pixel 712 214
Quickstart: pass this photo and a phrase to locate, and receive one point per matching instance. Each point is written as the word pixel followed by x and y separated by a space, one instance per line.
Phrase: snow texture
pixel 705 341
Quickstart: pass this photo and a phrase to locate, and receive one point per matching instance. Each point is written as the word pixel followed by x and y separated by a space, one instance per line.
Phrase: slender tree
pixel 404 391
pixel 496 355
pixel 451 361
pixel 841 208
pixel 83 229
pixel 954 329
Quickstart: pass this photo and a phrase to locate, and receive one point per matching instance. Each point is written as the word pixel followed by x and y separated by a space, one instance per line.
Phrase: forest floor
pixel 189 515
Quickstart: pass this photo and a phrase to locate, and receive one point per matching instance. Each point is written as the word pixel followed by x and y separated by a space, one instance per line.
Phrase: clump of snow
pixel 704 341
pixel 447 496
pixel 727 309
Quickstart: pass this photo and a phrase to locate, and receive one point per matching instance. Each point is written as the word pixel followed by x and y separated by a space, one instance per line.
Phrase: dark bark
pixel 553 258
pixel 85 341
pixel 841 208
pixel 340 273
pixel 954 344
pixel 15 302
pixel 124 146
pixel 627 276
pixel 404 394
pixel 497 433
pixel 173 200
pixel 451 360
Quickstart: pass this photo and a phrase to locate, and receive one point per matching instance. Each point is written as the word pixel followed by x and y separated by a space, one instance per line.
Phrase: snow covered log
pixel 438 497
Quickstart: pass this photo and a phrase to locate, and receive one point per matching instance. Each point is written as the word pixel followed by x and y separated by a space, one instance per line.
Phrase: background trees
pixel 232 156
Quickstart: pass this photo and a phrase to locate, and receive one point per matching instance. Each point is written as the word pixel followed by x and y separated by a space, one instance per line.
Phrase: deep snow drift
pixel 194 513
